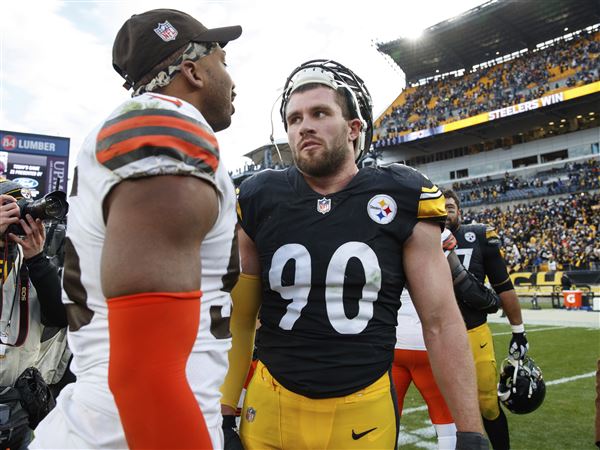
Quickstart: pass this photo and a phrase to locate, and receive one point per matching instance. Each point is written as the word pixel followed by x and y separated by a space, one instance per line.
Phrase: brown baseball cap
pixel 146 39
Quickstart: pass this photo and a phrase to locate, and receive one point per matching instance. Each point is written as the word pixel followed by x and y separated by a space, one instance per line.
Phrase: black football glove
pixel 230 433
pixel 518 346
pixel 471 441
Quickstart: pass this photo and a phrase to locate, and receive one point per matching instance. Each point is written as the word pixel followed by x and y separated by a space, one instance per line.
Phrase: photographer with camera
pixel 30 300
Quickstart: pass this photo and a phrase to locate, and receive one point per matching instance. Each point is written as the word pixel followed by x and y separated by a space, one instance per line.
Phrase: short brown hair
pixel 449 193
pixel 340 97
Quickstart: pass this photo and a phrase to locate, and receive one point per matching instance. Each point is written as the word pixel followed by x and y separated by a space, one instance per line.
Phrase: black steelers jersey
pixel 478 248
pixel 332 272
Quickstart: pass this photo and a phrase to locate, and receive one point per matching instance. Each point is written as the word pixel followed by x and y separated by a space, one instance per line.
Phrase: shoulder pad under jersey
pixel 491 236
pixel 432 204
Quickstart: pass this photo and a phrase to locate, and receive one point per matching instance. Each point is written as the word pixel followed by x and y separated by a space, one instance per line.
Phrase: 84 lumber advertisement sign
pixel 37 162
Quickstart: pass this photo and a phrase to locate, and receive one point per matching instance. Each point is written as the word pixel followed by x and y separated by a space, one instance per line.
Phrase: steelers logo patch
pixel 382 209
pixel 470 236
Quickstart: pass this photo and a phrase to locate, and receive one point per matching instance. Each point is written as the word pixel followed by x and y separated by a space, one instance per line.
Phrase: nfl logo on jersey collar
pixel 324 205
pixel 382 209
pixel 166 31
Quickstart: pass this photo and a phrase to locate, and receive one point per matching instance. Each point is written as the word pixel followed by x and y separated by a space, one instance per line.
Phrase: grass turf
pixel 566 418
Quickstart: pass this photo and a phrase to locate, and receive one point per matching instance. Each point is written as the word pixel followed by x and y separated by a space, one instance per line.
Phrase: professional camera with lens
pixel 52 206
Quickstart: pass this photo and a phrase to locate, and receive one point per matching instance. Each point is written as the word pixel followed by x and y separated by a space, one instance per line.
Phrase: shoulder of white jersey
pixel 154 135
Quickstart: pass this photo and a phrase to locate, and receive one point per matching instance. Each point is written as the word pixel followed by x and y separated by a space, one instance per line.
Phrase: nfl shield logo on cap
pixel 166 31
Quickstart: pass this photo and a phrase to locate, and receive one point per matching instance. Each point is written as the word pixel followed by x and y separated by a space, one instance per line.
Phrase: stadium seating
pixel 531 75
pixel 571 177
pixel 559 228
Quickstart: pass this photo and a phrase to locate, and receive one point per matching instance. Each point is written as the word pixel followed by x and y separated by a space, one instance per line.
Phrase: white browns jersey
pixel 409 334
pixel 149 135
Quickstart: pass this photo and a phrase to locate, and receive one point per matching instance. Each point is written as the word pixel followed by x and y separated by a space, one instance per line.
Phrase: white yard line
pixel 529 330
pixel 415 436
pixel 548 383
pixel 415 409
pixel 567 379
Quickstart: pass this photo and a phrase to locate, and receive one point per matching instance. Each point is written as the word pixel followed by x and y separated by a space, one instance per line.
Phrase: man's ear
pixel 355 125
pixel 192 73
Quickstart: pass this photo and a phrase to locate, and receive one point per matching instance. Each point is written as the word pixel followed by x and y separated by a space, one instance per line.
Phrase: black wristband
pixel 229 422
pixel 467 440
pixel 35 258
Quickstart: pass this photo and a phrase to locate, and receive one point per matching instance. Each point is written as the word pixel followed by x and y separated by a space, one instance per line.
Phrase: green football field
pixel 568 359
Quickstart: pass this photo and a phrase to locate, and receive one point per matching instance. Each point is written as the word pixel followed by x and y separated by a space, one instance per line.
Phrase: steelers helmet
pixel 521 388
pixel 339 78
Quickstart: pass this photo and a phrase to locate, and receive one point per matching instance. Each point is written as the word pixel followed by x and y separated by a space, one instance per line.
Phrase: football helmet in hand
pixel 521 388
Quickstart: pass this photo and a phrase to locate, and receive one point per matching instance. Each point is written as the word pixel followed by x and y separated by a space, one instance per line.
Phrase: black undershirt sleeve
pixel 45 279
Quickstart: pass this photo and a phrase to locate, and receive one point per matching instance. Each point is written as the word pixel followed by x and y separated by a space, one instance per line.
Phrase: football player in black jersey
pixel 478 246
pixel 326 250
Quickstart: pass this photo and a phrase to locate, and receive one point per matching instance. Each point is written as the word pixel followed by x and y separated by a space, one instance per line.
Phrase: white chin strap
pixel 321 76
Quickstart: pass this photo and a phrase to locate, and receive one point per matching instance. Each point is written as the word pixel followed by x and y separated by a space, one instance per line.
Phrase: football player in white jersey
pixel 411 364
pixel 150 250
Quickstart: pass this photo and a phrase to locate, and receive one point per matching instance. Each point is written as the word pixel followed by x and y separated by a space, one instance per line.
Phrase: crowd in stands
pixel 572 177
pixel 548 234
pixel 529 76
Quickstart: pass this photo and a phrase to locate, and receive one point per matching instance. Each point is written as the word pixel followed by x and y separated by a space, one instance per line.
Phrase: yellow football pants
pixel 482 346
pixel 276 418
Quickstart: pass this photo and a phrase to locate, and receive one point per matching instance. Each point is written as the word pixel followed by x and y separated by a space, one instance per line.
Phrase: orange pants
pixel 413 365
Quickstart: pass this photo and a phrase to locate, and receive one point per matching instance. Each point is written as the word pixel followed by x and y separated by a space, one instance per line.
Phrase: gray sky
pixel 56 73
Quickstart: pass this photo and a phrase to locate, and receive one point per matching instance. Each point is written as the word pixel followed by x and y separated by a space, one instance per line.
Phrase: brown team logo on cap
pixel 166 31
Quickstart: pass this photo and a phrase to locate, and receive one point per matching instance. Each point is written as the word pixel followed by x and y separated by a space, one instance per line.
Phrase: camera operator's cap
pixel 146 39
pixel 13 189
